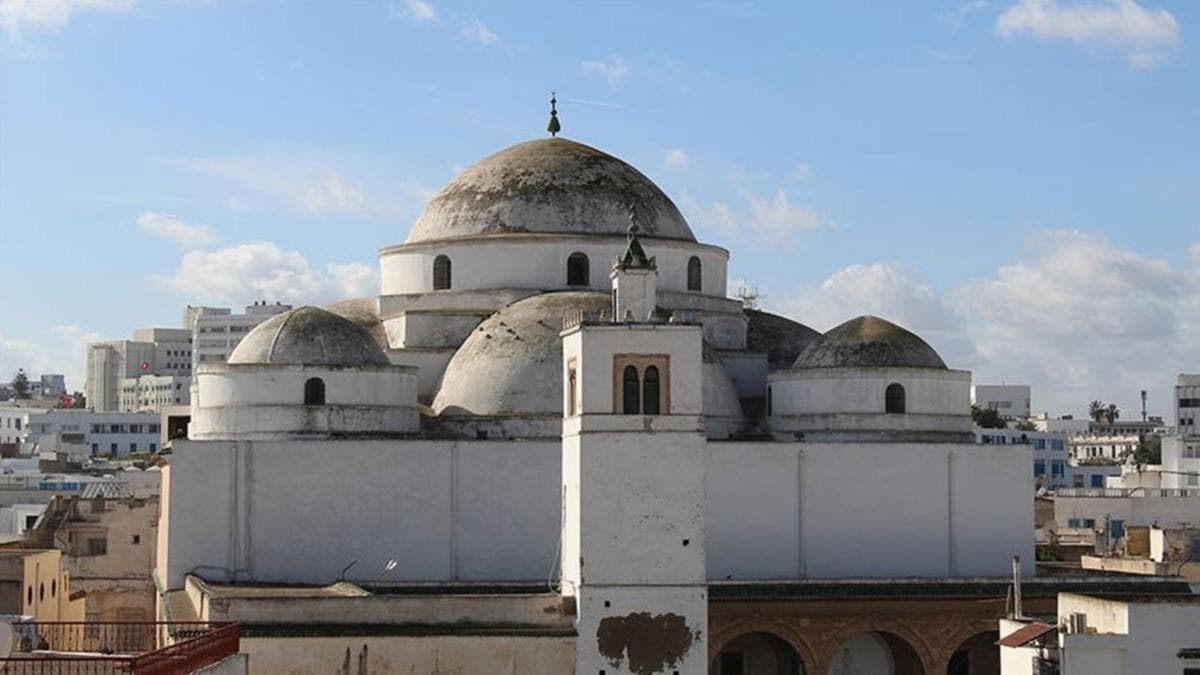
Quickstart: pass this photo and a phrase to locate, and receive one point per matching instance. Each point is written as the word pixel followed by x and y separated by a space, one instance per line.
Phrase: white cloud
pixel 802 171
pixel 1076 317
pixel 416 10
pixel 243 273
pixel 613 70
pixel 676 159
pixel 307 187
pixel 1145 36
pixel 332 195
pixel 353 280
pixel 170 227
pixel 764 222
pixel 19 15
pixel 1194 251
pixel 474 30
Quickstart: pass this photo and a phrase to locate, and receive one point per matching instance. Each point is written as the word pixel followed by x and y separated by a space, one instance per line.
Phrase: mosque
pixel 553 444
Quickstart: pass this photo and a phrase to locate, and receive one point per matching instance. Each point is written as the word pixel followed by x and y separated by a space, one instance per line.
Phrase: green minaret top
pixel 634 255
pixel 553 127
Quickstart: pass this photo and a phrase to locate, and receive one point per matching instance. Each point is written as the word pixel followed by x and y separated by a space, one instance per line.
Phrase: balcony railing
pixel 1139 492
pixel 104 648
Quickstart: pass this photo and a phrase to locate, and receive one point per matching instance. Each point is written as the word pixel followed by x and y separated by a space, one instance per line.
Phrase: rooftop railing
pixel 1140 492
pixel 104 648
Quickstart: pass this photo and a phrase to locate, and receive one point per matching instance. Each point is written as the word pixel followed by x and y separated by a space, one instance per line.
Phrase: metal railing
pixel 104 648
pixel 1138 492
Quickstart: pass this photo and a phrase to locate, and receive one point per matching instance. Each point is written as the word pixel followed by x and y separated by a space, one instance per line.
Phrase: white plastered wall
pixel 300 511
pixel 841 510
pixel 540 262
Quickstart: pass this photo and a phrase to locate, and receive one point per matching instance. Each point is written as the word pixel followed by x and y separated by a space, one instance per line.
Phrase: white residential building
pixel 217 330
pixel 152 393
pixel 1051 467
pixel 102 433
pixel 1010 400
pixel 1066 424
pixel 1181 462
pixel 1187 405
pixel 1097 636
pixel 1092 447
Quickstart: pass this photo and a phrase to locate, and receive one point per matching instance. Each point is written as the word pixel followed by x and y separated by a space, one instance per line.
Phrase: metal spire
pixel 553 127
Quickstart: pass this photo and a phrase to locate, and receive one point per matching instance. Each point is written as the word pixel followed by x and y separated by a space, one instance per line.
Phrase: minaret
pixel 634 279
pixel 633 542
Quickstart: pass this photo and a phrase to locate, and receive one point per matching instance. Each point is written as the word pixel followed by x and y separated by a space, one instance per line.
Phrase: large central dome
pixel 552 186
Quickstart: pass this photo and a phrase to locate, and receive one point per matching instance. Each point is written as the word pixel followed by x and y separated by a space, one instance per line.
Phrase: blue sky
pixel 1018 181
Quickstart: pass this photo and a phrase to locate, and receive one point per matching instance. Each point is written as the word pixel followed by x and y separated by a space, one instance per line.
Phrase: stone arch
pixel 719 638
pixel 972 651
pixel 913 655
pixel 759 652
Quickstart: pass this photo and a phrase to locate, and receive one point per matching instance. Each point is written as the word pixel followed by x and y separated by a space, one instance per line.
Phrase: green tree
pixel 1111 412
pixel 988 418
pixel 1096 411
pixel 20 384
pixel 1149 451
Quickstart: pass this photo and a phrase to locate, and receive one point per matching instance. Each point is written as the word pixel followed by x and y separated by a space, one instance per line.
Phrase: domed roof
pixel 512 362
pixel 551 185
pixel 869 342
pixel 308 336
pixel 778 336
pixel 511 365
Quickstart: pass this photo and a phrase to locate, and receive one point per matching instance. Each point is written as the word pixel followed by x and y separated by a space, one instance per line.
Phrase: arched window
pixel 577 270
pixel 631 401
pixel 693 274
pixel 314 391
pixel 650 388
pixel 893 398
pixel 441 273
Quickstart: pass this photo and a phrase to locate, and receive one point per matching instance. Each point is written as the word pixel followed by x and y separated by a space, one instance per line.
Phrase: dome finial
pixel 553 127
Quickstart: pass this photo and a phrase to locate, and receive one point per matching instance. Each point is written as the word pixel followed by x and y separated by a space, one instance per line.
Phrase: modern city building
pixel 217 330
pixel 1187 405
pixel 152 351
pixel 1010 400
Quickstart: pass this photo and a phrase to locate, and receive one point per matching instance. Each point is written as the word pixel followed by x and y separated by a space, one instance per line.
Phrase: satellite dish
pixel 6 639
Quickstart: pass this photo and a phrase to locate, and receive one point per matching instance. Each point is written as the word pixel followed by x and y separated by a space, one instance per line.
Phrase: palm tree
pixel 1097 410
pixel 1111 412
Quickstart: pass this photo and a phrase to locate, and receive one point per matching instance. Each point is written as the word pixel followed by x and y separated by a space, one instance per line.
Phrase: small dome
pixel 779 337
pixel 308 336
pixel 552 186
pixel 869 342
pixel 511 364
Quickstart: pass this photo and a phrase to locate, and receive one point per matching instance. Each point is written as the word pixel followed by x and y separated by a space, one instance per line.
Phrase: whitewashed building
pixel 1099 636
pixel 102 433
pixel 556 445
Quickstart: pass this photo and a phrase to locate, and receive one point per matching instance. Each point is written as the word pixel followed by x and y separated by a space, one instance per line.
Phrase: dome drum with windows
pixel 304 373
pixel 870 380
